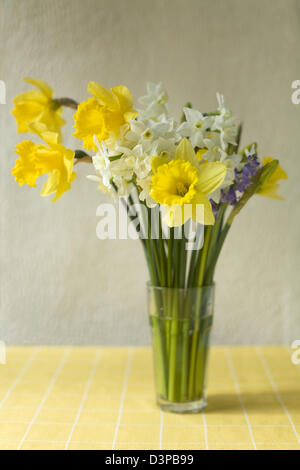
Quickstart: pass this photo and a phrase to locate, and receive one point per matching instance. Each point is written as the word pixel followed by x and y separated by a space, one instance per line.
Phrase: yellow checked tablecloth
pixel 103 398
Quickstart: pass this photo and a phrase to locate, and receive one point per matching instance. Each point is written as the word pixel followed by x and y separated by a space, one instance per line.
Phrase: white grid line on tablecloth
pixel 161 430
pixel 125 383
pixel 269 374
pixel 239 394
pixel 186 425
pixel 85 394
pixel 46 394
pixel 146 442
pixel 205 429
pixel 108 443
pixel 290 351
pixel 121 409
pixel 20 376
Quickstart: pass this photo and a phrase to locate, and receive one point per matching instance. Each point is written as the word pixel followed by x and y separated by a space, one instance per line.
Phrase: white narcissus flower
pixel 145 132
pixel 228 130
pixel 142 165
pixel 163 147
pixel 214 153
pixel 225 112
pixel 225 123
pixel 110 168
pixel 154 102
pixel 145 188
pixel 144 139
pixel 194 127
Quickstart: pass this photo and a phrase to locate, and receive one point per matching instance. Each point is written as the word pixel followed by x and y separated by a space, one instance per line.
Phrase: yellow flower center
pixel 162 99
pixel 174 183
pixel 164 154
pixel 147 134
pixel 198 125
pixel 182 188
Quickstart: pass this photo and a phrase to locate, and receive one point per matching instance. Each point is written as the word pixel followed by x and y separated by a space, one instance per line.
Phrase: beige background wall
pixel 59 284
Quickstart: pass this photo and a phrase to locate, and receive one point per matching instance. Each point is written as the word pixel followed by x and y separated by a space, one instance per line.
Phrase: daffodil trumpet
pixel 189 178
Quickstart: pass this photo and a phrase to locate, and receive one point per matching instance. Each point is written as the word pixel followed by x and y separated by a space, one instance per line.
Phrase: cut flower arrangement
pixel 192 175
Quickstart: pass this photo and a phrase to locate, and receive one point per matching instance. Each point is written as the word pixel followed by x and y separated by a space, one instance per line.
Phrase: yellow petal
pixel 117 110
pixel 105 96
pixel 25 113
pixel 34 106
pixel 58 184
pixel 269 190
pixel 175 216
pixel 202 210
pixel 270 187
pixel 211 175
pixel 26 170
pixel 51 138
pixel 43 86
pixel 51 184
pixel 58 162
pixel 185 151
pixel 199 210
pixel 123 96
pixel 130 115
pixel 157 161
pixel 52 119
pixel 89 121
pixel 31 96
pixel 279 173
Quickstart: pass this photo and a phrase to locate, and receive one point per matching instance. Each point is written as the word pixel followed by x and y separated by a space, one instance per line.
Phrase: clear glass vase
pixel 181 320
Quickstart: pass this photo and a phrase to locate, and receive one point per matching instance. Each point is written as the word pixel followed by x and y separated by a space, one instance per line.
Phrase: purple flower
pixel 214 206
pixel 243 178
pixel 252 164
pixel 229 196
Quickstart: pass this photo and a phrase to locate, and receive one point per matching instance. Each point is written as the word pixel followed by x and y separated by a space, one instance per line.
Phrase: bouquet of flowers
pixel 182 184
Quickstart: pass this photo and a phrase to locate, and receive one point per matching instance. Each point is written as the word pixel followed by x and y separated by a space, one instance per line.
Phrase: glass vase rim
pixel 182 289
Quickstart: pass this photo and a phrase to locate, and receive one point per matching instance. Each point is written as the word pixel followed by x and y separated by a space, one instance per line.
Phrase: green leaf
pixel 115 157
pixel 267 171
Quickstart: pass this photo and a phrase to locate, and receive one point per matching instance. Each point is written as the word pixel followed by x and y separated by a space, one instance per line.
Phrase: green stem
pixel 170 256
pixel 172 388
pixel 162 253
pixel 216 253
pixel 157 322
pixel 183 261
pixel 68 102
pixel 201 269
pixel 213 238
pixel 193 355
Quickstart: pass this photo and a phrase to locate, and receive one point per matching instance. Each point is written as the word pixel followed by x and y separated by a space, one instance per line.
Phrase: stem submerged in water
pixel 179 309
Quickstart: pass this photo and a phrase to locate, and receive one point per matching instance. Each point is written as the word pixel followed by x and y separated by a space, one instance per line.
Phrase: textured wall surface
pixel 59 283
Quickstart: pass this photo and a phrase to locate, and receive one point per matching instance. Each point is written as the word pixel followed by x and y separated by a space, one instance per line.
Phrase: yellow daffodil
pixel 269 188
pixel 37 159
pixel 104 114
pixel 37 106
pixel 183 183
